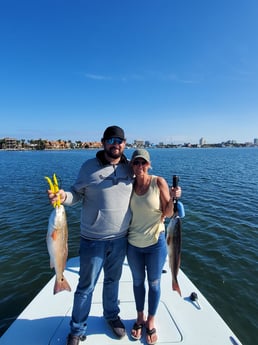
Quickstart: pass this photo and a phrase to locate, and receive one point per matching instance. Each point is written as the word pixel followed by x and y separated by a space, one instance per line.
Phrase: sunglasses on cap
pixel 136 162
pixel 112 141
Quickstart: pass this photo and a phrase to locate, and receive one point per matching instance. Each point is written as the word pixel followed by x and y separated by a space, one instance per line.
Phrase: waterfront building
pixel 202 142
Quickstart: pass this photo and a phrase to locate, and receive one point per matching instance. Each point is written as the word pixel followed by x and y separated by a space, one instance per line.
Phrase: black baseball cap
pixel 113 132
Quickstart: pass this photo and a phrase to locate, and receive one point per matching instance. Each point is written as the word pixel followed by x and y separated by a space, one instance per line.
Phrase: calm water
pixel 220 230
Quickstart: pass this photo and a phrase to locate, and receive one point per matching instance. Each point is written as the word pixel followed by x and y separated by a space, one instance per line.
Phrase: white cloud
pixel 96 76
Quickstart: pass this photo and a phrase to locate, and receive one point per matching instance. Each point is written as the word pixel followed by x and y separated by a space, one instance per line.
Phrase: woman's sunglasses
pixel 139 162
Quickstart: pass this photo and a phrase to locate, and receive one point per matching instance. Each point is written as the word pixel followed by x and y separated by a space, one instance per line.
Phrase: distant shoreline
pixel 151 148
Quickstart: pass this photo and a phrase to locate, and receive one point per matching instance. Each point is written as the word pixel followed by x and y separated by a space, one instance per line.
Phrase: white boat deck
pixel 45 321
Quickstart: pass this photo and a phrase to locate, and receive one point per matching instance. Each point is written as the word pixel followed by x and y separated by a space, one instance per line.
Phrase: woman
pixel 150 203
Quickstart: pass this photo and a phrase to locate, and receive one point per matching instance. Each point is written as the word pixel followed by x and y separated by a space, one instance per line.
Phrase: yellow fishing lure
pixel 53 186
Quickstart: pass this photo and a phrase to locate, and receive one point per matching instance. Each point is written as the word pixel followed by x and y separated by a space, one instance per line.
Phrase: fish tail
pixel 61 285
pixel 176 287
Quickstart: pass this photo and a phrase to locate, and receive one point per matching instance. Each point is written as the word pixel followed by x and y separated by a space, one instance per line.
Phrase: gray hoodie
pixel 105 191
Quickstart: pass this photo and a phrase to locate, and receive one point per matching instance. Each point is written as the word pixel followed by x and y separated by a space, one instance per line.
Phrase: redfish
pixel 57 237
pixel 174 239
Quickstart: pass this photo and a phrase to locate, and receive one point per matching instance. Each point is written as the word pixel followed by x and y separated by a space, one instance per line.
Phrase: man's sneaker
pixel 117 327
pixel 75 339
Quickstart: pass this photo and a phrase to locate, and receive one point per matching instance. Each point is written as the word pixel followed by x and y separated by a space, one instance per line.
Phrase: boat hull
pixel 179 319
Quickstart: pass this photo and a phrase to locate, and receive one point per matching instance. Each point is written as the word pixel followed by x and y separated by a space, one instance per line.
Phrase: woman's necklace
pixel 141 189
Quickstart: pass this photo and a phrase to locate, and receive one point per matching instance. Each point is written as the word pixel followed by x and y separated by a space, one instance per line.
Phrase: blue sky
pixel 164 70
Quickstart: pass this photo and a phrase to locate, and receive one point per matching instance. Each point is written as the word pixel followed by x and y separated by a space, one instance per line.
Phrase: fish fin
pixel 54 235
pixel 168 239
pixel 175 287
pixel 51 262
pixel 61 285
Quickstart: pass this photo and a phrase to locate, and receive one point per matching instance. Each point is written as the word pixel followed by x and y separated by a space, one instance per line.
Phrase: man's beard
pixel 110 153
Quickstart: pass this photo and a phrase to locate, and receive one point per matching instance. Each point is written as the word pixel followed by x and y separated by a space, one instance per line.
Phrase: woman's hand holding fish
pixel 175 192
pixel 54 197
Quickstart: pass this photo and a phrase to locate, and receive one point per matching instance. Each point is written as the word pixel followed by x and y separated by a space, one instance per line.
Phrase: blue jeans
pixel 95 255
pixel 151 260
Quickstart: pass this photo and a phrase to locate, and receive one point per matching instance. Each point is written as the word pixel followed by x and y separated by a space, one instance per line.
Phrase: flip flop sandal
pixel 149 334
pixel 137 327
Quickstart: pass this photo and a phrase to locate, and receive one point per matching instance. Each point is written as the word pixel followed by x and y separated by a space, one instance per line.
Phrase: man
pixel 104 186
